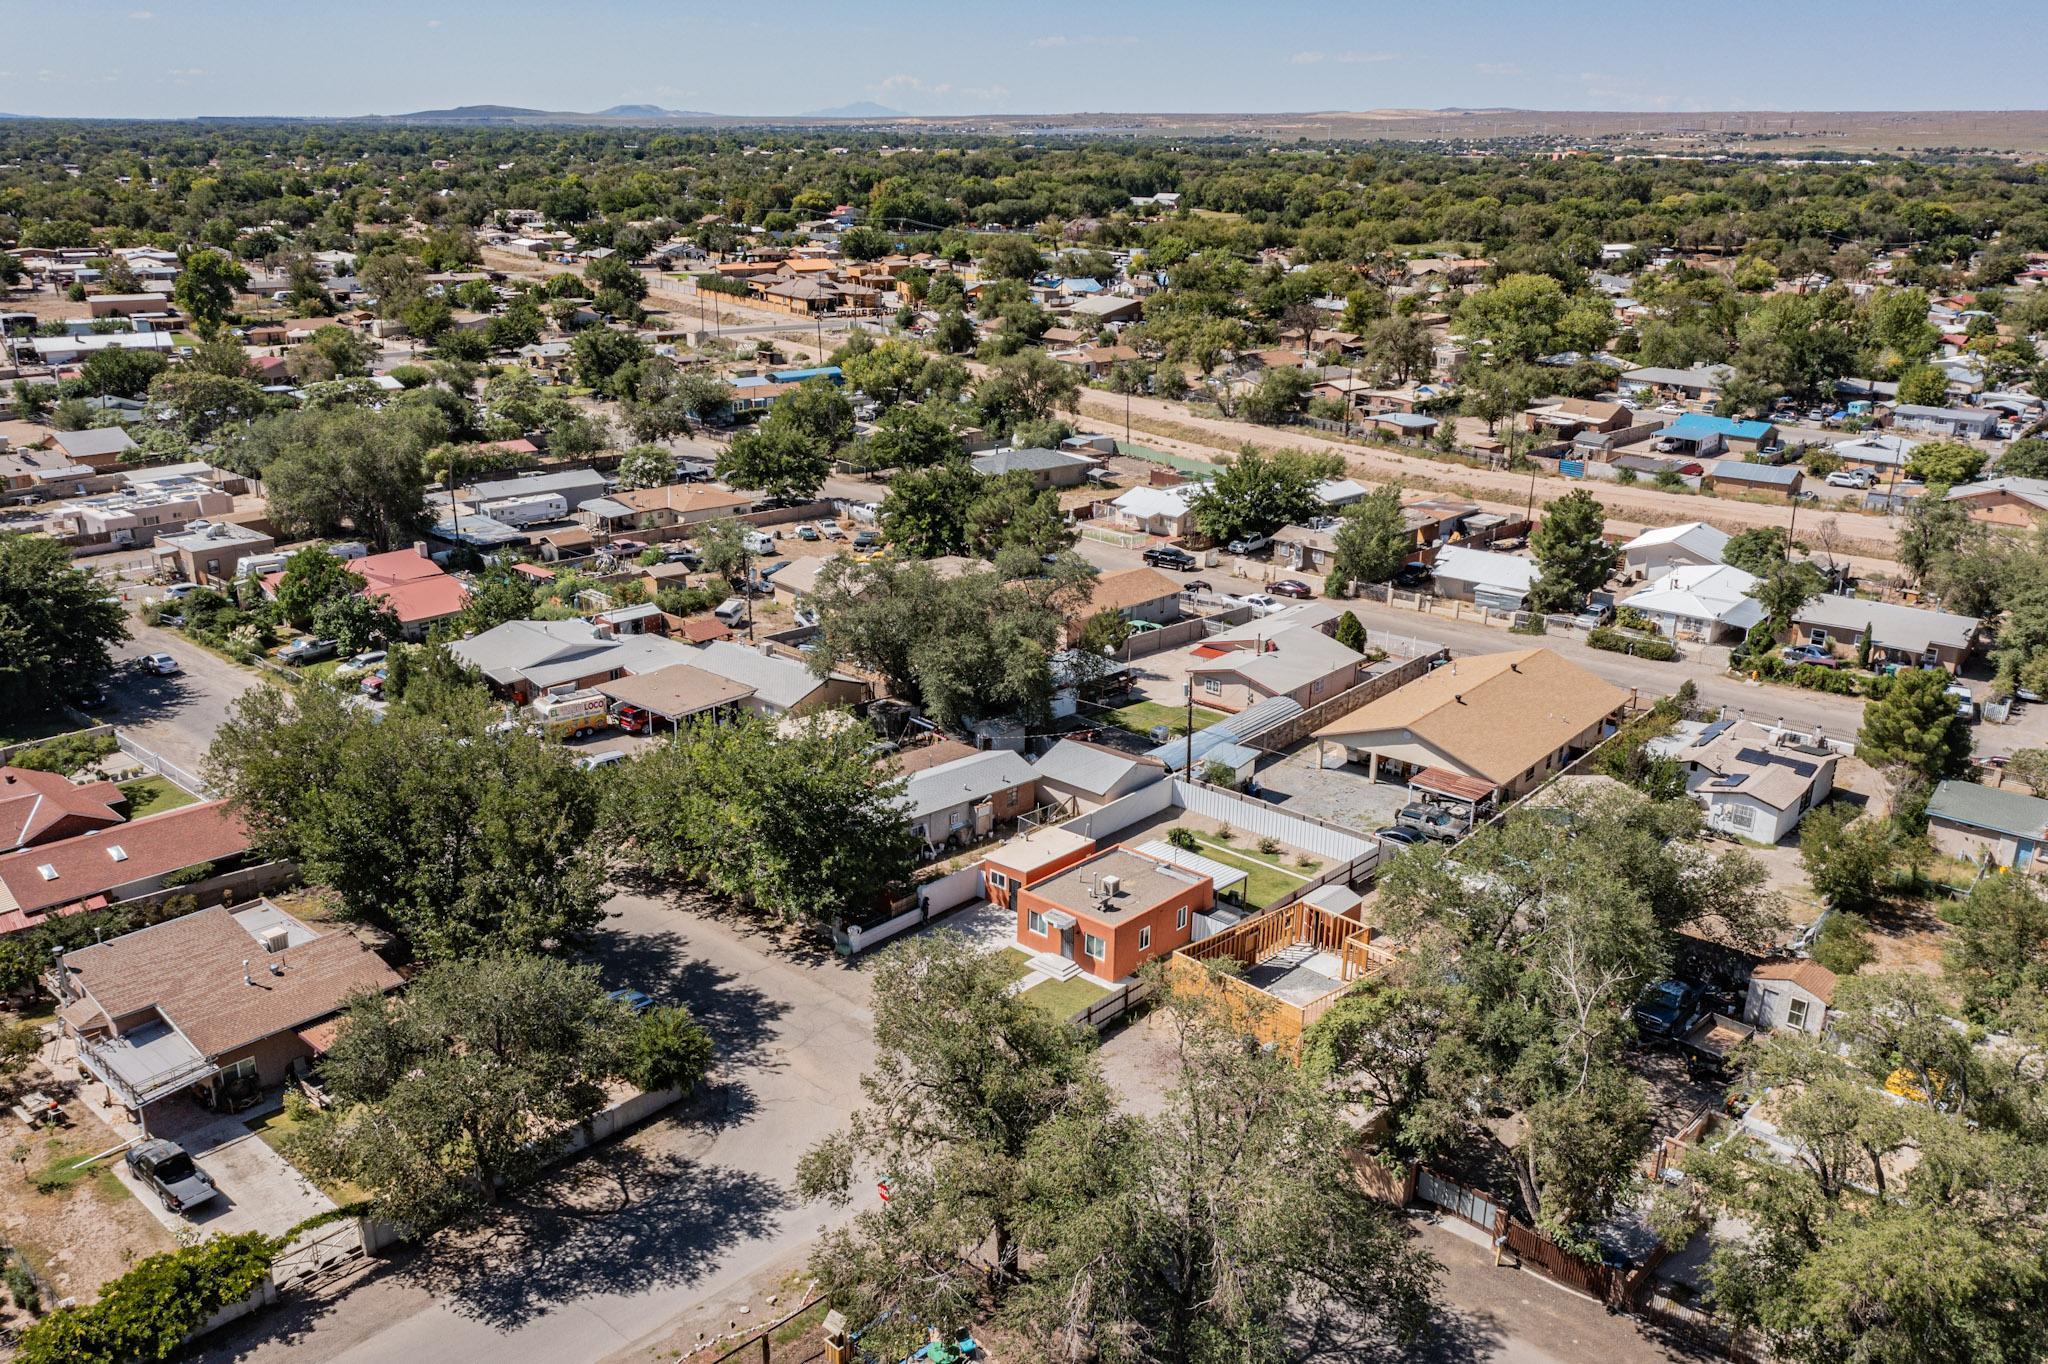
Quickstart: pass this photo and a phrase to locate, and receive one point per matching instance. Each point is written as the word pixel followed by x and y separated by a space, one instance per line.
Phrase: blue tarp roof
pixel 797 376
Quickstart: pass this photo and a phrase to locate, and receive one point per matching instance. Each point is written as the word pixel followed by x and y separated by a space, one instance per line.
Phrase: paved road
pixel 602 1258
pixel 176 716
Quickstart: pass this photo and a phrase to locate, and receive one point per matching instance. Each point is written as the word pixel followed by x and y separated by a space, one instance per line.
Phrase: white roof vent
pixel 117 852
pixel 46 871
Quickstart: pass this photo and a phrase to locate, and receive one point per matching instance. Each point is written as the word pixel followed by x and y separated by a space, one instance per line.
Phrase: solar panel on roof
pixel 1715 731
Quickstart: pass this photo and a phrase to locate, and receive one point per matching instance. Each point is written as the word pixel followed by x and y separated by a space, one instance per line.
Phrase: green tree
pixel 1010 257
pixel 201 405
pixel 1279 395
pixel 347 470
pixel 1786 587
pixel 2000 945
pixel 1028 387
pixel 1134 1258
pixel 423 822
pixel 57 625
pixel 2026 458
pixel 1351 632
pixel 498 596
pixel 908 437
pixel 1373 540
pixel 312 578
pixel 1914 726
pixel 925 513
pixel 1571 548
pixel 1257 493
pixel 1755 551
pixel 149 1312
pixel 777 460
pixel 803 827
pixel 1848 859
pixel 646 466
pixel 356 622
pixel 465 1085
pixel 601 354
pixel 331 353
pixel 967 1075
pixel 1923 386
pixel 206 290
pixel 1931 530
pixel 121 373
pixel 1945 462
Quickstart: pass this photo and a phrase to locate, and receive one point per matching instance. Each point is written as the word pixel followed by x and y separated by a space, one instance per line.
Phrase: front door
pixel 1067 943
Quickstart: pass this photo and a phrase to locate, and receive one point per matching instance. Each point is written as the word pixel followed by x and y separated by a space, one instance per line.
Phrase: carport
pixel 676 693
pixel 1445 787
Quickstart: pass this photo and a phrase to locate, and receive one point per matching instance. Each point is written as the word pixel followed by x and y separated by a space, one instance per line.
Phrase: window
pixel 1795 1014
pixel 1738 816
pixel 958 819
pixel 1212 686
pixel 1092 946
pixel 240 1069
pixel 1817 638
pixel 1180 920
pixel 998 880
pixel 1035 922
pixel 1144 938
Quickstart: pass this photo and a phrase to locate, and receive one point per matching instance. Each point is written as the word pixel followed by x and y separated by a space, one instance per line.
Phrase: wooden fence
pixel 1114 1005
pixel 1268 1017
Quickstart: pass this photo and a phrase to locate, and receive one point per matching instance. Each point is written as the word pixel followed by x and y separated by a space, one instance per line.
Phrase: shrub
pixel 147 1312
pixel 1533 625
pixel 1224 833
pixel 185 876
pixel 21 1286
pixel 1269 846
pixel 1657 650
pixel 667 1050
pixel 66 753
pixel 1184 839
pixel 1844 943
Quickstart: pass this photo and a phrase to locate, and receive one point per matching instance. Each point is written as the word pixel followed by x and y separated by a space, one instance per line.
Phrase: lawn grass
pixel 274 1128
pixel 1140 716
pixel 1016 962
pixel 1065 998
pixel 1265 879
pixel 154 795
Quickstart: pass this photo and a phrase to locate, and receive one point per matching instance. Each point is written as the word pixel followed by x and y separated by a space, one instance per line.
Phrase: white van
pixel 732 610
pixel 759 542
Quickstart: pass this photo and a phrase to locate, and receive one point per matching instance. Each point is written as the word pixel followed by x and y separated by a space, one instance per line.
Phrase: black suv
pixel 1170 556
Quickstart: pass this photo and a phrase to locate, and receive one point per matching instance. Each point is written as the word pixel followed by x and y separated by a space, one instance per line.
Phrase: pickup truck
pixel 1170 556
pixel 1429 821
pixel 308 650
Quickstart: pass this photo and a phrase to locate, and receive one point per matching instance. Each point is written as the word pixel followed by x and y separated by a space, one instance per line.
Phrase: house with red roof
pixel 105 866
pixel 419 591
pixel 43 807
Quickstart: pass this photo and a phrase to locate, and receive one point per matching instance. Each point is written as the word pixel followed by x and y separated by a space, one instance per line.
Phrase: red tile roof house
pixel 106 866
pixel 42 807
pixel 224 997
pixel 419 591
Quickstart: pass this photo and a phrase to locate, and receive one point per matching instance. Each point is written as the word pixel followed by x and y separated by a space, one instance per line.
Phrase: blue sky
pixel 120 58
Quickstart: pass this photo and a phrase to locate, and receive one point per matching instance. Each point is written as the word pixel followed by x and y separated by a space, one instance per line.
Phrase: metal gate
pixel 1459 1201
pixel 319 1252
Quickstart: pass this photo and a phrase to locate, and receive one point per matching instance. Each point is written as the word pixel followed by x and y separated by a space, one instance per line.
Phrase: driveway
pixel 259 1189
pixel 1339 794
pixel 598 1258
pixel 176 716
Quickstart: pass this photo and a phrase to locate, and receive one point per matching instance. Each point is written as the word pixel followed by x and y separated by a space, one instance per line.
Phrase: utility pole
pixel 1187 770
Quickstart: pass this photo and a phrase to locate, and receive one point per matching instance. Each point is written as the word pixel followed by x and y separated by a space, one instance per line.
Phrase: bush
pixel 66 754
pixel 1269 846
pixel 147 1312
pixel 186 876
pixel 1657 650
pixel 667 1050
pixel 1184 839
pixel 1844 943
pixel 719 284
pixel 1534 625
pixel 21 1286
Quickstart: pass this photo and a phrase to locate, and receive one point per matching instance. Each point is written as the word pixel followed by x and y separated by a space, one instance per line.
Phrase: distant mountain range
pixel 652 113
pixel 649 111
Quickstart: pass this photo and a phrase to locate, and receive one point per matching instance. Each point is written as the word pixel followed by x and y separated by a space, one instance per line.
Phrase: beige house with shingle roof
pixel 1506 721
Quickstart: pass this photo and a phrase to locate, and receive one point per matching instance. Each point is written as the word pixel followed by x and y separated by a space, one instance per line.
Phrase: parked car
pixel 1412 577
pixel 732 610
pixel 1665 1008
pixel 368 658
pixel 1196 585
pixel 1250 544
pixel 164 1166
pixel 1672 410
pixel 1809 653
pixel 306 649
pixel 807 532
pixel 180 591
pixel 373 685
pixel 1170 556
pixel 1260 603
pixel 163 665
pixel 682 554
pixel 635 1000
pixel 1291 587
pixel 1599 610
pixel 1966 704
pixel 633 719
pixel 1431 821
pixel 1850 478
pixel 759 542
pixel 1407 838
pixel 590 762
pixel 867 539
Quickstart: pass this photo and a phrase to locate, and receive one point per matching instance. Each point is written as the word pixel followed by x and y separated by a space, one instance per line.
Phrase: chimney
pixel 419 547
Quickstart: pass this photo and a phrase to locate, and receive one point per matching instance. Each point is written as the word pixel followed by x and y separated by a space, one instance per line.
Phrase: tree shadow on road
pixel 1450 1336
pixel 740 1018
pixel 624 1220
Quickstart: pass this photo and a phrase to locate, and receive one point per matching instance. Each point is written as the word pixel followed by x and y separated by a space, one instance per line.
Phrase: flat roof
pixel 1143 883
